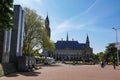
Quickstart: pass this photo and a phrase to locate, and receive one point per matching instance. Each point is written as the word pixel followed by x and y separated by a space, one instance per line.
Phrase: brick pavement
pixel 68 72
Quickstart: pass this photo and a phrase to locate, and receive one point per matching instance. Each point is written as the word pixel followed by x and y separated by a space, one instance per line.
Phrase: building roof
pixel 73 45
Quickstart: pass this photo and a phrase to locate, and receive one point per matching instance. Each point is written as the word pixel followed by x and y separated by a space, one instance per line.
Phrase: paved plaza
pixel 68 72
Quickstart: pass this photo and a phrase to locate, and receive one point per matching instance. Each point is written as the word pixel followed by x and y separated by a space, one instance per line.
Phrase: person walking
pixel 102 64
pixel 114 64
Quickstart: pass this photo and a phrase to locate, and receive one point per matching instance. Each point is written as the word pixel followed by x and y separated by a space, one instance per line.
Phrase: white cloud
pixel 92 6
pixel 81 25
pixel 64 25
pixel 68 25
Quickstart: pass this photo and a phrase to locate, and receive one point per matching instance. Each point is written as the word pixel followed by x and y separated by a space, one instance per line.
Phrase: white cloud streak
pixel 86 25
pixel 69 24
pixel 92 6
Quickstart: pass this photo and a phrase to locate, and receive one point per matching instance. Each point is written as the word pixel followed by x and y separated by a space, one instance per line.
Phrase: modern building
pixel 70 50
pixel 11 41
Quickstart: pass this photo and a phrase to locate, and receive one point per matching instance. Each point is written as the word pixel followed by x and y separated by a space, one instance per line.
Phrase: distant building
pixel 47 26
pixel 72 50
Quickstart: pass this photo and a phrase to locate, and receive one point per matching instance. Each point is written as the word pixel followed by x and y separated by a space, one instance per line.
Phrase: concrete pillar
pixel 17 33
pixel 11 42
pixel 6 46
pixel 22 33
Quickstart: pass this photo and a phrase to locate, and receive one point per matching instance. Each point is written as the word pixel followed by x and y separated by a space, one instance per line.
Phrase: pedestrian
pixel 102 64
pixel 114 64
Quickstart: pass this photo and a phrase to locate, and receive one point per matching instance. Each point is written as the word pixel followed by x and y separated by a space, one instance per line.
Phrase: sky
pixel 80 18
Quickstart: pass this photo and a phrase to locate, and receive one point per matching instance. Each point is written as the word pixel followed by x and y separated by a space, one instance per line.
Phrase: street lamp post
pixel 117 44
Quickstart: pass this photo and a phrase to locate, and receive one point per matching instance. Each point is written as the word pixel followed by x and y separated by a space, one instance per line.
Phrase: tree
pixel 110 53
pixel 100 56
pixel 6 14
pixel 33 31
pixel 37 55
pixel 47 43
pixel 51 46
pixel 95 58
pixel 35 36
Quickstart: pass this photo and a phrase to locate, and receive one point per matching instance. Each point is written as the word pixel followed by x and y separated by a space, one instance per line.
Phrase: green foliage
pixel 51 46
pixel 31 68
pixel 6 14
pixel 47 44
pixel 95 58
pixel 33 31
pixel 100 56
pixel 109 55
pixel 110 52
pixel 36 53
pixel 45 39
pixel 35 34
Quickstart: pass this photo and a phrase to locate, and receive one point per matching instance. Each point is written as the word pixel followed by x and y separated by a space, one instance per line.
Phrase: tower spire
pixel 47 19
pixel 67 37
pixel 47 16
pixel 87 41
pixel 47 25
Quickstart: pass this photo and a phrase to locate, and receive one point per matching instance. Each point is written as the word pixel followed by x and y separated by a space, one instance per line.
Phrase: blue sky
pixel 79 18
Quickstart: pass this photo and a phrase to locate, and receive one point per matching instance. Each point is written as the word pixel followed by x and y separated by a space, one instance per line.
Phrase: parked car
pixel 48 60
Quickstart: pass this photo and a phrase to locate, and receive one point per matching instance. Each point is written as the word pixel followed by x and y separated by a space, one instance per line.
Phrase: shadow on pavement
pixel 53 65
pixel 30 73
pixel 24 74
pixel 12 75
